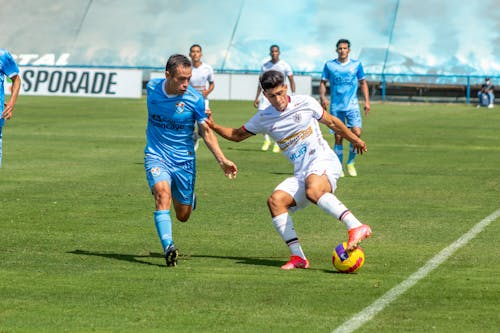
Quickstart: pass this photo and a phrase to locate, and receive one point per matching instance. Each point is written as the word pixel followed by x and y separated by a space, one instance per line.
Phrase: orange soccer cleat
pixel 296 262
pixel 357 234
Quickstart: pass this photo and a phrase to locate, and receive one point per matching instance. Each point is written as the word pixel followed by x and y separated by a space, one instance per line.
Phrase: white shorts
pixel 296 186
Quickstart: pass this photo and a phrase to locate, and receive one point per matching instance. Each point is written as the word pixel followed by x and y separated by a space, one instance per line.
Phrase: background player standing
pixel 281 66
pixel 8 67
pixel 202 79
pixel 293 122
pixel 344 74
pixel 170 161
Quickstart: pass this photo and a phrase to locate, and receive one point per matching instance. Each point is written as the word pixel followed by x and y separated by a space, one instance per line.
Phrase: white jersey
pixel 296 130
pixel 281 66
pixel 201 77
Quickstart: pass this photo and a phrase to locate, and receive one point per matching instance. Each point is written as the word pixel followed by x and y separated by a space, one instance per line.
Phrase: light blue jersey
pixel 8 67
pixel 343 78
pixel 171 121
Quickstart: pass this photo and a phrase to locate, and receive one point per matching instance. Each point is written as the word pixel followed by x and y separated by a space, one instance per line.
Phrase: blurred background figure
pixel 202 80
pixel 485 95
pixel 260 102
pixel 8 67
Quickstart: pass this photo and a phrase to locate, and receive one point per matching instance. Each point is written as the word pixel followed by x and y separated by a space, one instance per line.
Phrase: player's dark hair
pixel 175 61
pixel 271 79
pixel 274 46
pixel 342 41
pixel 194 45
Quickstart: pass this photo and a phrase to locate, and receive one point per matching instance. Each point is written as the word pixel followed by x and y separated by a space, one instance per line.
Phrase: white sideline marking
pixel 370 311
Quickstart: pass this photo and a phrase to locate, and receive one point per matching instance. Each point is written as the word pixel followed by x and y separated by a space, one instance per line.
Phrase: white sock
pixel 284 226
pixel 267 137
pixel 330 204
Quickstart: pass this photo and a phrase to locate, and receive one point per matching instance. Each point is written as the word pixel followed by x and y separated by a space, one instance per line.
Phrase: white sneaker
pixel 266 145
pixel 351 170
pixel 490 106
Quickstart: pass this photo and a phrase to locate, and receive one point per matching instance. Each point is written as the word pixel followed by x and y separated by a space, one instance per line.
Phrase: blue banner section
pixel 423 37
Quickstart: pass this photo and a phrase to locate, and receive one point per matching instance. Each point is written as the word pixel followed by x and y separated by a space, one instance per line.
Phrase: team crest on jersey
pixel 297 117
pixel 179 107
pixel 155 172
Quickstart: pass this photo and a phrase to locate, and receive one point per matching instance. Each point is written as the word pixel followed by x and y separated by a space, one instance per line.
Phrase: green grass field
pixel 79 250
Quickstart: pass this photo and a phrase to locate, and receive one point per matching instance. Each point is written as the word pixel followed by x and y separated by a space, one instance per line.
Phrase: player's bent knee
pixel 279 201
pixel 183 214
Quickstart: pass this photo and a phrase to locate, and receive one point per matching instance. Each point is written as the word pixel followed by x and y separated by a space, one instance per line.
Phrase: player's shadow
pixel 244 260
pixel 135 258
pixel 145 259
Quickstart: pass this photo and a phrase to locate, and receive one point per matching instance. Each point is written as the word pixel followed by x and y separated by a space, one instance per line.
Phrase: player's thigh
pixel 183 182
pixel 353 119
pixel 328 166
pixel 296 189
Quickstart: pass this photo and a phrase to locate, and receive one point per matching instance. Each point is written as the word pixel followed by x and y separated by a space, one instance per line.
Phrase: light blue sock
pixel 339 150
pixel 352 154
pixel 163 225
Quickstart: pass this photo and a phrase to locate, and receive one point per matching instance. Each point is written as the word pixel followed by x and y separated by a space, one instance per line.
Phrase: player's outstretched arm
pixel 229 167
pixel 338 126
pixel 231 134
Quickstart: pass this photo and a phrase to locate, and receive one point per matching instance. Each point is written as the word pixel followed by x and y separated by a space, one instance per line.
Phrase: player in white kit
pixel 292 121
pixel 202 80
pixel 260 101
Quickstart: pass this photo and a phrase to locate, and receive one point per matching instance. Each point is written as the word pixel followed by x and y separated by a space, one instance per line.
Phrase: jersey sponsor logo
pixel 300 152
pixel 294 138
pixel 179 107
pixel 159 121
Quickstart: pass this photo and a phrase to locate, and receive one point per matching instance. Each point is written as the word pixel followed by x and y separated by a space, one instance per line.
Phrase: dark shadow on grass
pixel 143 259
pixel 244 260
pixel 135 258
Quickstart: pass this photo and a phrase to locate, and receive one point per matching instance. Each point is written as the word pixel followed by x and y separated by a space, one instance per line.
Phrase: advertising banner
pixel 89 82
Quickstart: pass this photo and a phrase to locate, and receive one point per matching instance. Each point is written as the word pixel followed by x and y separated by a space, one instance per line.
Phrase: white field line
pixel 370 311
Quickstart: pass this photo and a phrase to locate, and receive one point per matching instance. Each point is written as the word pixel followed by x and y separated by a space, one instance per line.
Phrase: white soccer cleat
pixel 351 170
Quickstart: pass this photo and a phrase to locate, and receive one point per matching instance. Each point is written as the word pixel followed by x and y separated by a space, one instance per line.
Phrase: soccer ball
pixel 347 261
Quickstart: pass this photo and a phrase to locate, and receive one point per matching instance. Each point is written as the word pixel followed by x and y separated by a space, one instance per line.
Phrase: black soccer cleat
pixel 171 255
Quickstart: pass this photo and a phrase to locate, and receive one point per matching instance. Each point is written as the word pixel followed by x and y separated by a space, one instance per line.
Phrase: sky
pixel 427 37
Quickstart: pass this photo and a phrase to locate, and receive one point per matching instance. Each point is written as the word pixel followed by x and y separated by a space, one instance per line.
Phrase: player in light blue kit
pixel 344 74
pixel 8 67
pixel 170 162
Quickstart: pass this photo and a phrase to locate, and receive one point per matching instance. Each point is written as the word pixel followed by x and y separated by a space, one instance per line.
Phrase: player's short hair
pixel 176 60
pixel 194 45
pixel 271 79
pixel 343 41
pixel 274 46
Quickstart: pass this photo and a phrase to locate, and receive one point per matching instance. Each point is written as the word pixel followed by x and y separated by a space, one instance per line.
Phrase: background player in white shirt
pixel 292 121
pixel 281 66
pixel 202 80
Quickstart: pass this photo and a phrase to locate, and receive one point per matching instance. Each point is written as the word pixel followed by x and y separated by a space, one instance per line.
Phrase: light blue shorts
pixel 180 177
pixel 351 118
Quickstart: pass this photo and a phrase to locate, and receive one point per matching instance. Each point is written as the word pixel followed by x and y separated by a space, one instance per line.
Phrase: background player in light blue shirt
pixel 8 67
pixel 170 161
pixel 344 74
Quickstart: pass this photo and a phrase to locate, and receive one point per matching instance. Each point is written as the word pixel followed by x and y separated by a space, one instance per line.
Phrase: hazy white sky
pixel 429 36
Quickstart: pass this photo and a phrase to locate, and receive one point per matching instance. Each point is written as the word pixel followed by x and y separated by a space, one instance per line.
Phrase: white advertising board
pixel 89 82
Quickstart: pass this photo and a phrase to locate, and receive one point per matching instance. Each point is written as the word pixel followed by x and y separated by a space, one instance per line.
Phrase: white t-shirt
pixel 201 76
pixel 296 130
pixel 281 66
